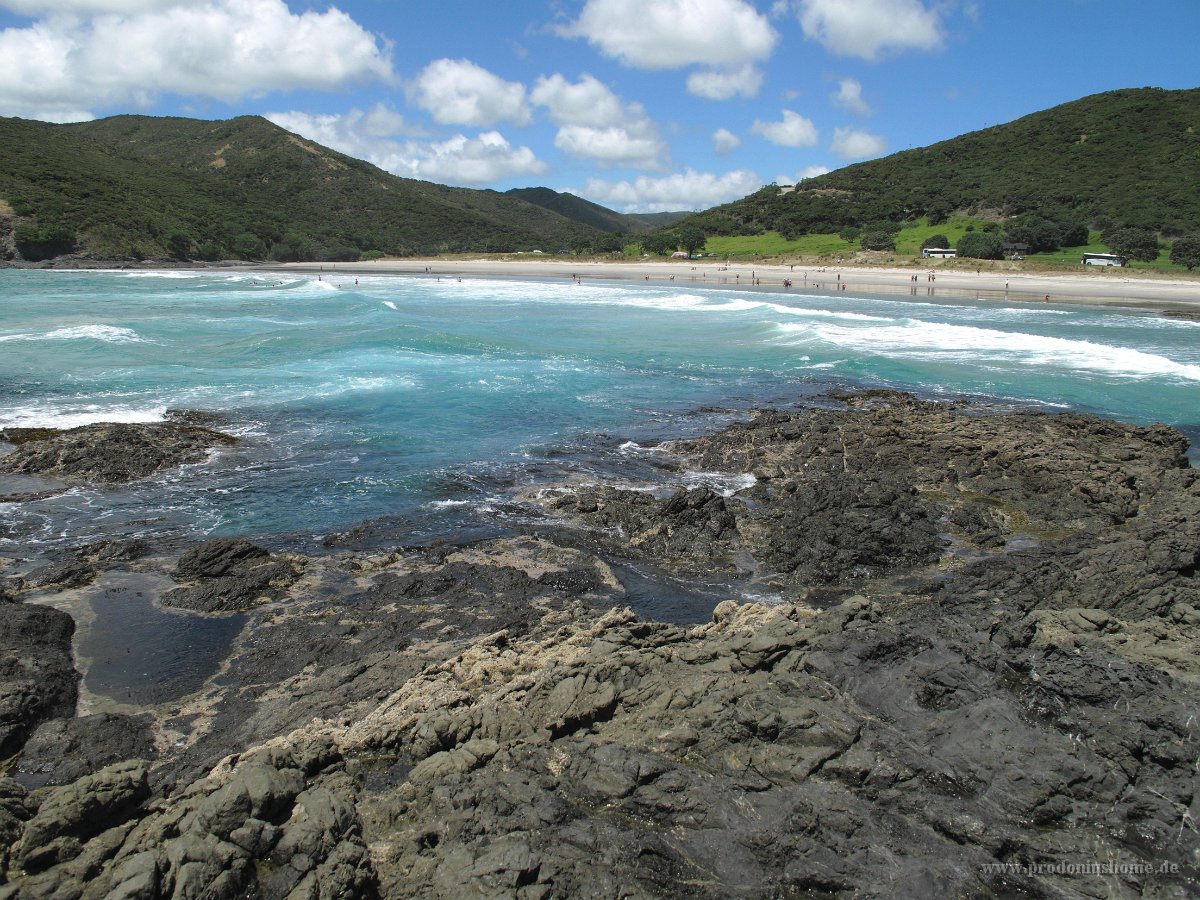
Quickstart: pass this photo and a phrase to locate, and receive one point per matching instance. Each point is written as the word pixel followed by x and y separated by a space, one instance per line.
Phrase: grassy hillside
pixel 142 186
pixel 1127 157
pixel 773 244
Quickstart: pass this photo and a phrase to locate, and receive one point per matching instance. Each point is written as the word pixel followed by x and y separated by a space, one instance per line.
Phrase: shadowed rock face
pixel 1005 675
pixel 38 680
pixel 228 575
pixel 63 750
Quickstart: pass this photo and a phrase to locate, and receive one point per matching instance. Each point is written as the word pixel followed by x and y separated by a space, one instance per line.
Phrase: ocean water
pixel 427 400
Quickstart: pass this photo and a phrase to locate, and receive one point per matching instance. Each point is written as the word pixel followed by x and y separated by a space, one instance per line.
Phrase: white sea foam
pixel 661 301
pixel 765 599
pixel 823 313
pixel 179 276
pixel 109 334
pixel 635 447
pixel 357 384
pixel 389 304
pixel 75 416
pixel 724 483
pixel 937 341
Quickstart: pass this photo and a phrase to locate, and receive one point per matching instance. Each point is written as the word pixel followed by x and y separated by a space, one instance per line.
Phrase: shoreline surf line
pixel 1118 290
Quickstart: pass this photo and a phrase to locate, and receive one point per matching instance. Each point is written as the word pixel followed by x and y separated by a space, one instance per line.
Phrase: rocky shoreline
pixel 975 673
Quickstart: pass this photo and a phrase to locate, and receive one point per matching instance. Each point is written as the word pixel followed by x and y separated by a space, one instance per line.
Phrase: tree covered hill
pixel 244 188
pixel 1123 158
pixel 579 210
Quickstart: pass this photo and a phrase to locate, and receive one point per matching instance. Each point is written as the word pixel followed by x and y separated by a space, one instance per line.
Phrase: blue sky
pixel 639 105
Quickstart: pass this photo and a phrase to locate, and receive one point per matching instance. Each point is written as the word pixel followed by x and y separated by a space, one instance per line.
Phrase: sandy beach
pixel 1095 287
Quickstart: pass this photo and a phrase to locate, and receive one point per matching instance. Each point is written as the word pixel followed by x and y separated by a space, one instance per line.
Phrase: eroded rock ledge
pixel 1018 691
pixel 107 453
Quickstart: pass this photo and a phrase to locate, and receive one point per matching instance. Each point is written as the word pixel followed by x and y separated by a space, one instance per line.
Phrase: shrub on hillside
pixel 36 243
pixel 1186 251
pixel 1136 243
pixel 878 240
pixel 977 245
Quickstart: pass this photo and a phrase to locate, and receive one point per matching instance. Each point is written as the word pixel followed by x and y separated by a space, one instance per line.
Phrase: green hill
pixel 244 188
pixel 1129 157
pixel 585 212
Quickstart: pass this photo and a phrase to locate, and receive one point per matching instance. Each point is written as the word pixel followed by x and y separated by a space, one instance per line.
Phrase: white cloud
pixel 725 141
pixel 615 146
pixel 594 123
pixel 586 102
pixel 85 7
pixel 792 131
pixel 806 172
pixel 686 190
pixel 849 97
pixel 458 92
pixel 674 34
pixel 378 136
pixel 483 160
pixel 365 135
pixel 850 143
pixel 724 84
pixel 223 49
pixel 870 29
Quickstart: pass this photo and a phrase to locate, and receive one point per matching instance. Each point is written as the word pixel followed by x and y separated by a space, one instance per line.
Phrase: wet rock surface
pixel 997 693
pixel 107 453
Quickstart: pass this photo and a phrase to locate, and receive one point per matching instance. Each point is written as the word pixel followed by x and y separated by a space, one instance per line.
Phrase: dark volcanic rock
pixel 38 680
pixel 690 528
pixel 231 575
pixel 842 496
pixel 70 815
pixel 385 531
pixel 988 723
pixel 111 553
pixel 66 573
pixel 111 453
pixel 217 557
pixel 63 750
pixel 354 631
pixel 844 527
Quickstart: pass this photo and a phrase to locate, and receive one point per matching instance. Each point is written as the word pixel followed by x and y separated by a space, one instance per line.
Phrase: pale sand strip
pixel 1097 287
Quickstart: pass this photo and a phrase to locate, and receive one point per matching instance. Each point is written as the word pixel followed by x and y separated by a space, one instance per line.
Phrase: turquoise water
pixel 426 399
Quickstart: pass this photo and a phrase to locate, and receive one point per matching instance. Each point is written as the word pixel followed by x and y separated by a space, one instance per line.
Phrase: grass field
pixel 908 244
pixel 909 240
pixel 1071 256
pixel 774 244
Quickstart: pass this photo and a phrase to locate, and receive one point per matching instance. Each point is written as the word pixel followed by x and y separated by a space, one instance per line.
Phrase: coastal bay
pixel 827 635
